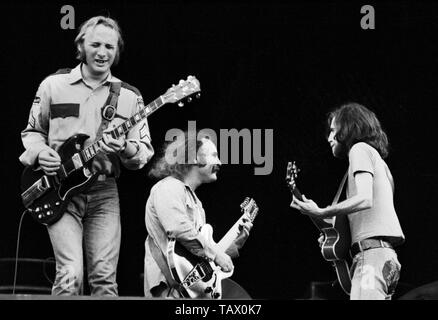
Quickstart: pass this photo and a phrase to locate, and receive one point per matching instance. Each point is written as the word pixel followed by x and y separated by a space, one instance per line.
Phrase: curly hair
pixel 355 124
pixel 176 157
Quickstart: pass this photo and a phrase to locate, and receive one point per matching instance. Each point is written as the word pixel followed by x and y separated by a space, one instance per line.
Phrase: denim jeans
pixel 90 229
pixel 375 274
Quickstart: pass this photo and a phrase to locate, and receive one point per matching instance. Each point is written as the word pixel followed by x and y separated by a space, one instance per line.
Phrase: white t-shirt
pixel 381 219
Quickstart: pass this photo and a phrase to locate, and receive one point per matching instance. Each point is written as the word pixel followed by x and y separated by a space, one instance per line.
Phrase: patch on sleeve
pixel 31 120
pixel 36 107
pixel 144 132
pixel 391 274
pixel 36 101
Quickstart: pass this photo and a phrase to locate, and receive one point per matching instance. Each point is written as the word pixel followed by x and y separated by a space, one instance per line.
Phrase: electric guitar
pixel 336 232
pixel 199 278
pixel 46 197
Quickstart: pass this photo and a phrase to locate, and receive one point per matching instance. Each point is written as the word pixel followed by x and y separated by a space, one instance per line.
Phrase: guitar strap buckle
pixel 109 109
pixel 108 112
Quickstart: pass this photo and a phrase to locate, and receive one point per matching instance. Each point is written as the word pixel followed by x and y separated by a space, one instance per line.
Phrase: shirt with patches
pixel 65 105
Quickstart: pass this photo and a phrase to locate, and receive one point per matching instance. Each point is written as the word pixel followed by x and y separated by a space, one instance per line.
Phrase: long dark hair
pixel 357 123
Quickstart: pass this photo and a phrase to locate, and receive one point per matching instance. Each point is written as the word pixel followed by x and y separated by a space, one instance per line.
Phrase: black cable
pixel 50 259
pixel 16 252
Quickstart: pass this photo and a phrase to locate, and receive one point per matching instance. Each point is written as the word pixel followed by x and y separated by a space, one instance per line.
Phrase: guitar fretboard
pixel 91 151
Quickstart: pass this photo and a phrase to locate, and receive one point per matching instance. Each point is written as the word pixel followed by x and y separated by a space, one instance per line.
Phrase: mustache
pixel 215 168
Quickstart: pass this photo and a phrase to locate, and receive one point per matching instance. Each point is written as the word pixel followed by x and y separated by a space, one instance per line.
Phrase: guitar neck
pixel 91 151
pixel 234 232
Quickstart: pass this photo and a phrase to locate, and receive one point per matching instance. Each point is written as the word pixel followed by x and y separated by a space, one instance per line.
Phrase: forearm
pixel 34 143
pixel 199 245
pixel 351 205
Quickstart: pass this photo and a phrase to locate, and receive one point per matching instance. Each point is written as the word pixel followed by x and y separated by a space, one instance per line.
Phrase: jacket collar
pixel 76 75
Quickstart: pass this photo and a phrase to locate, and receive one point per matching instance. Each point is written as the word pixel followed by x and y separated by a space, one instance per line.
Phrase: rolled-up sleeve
pixel 34 136
pixel 140 136
pixel 178 221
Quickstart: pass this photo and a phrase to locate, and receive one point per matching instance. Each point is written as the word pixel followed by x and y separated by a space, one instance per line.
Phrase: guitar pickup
pixel 70 166
pixel 77 161
pixel 40 187
pixel 191 278
pixel 44 184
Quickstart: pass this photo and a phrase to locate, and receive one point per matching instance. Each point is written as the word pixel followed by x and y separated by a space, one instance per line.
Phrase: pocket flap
pixel 63 110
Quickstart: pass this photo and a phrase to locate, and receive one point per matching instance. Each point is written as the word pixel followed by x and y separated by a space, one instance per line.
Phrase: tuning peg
pixel 189 99
pixel 180 104
pixel 198 95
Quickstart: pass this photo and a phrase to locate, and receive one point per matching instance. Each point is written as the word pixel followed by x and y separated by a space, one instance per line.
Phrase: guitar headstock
pixel 249 206
pixel 291 175
pixel 184 90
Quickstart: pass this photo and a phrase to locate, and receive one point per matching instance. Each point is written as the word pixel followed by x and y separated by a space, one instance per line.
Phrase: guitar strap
pixel 159 258
pixel 338 194
pixel 108 112
pixel 109 109
pixel 341 187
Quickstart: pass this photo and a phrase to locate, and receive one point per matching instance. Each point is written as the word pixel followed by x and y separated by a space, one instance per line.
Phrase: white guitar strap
pixel 159 258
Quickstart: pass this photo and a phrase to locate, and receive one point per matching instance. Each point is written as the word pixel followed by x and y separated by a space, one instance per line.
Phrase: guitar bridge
pixel 35 191
pixel 194 276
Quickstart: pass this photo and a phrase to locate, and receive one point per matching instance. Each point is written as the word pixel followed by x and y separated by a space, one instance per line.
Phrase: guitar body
pixel 336 246
pixel 337 241
pixel 46 197
pixel 198 277
pixel 343 274
pixel 232 290
pixel 202 279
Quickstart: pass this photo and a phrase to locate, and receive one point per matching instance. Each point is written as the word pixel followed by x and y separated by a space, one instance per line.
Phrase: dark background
pixel 273 66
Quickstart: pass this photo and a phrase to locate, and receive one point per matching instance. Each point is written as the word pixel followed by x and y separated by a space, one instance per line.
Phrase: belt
pixel 368 244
